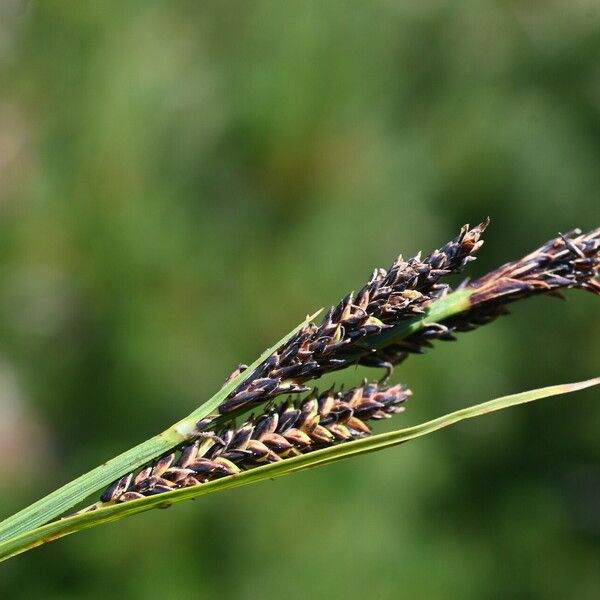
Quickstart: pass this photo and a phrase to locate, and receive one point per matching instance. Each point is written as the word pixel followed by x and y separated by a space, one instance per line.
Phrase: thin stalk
pixel 66 497
pixel 445 307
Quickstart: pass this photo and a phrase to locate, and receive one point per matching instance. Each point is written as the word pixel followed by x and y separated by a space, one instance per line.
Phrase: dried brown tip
pixel 571 260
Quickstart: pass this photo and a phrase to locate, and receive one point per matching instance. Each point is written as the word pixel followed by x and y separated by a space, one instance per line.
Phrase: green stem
pixel 439 310
pixel 79 489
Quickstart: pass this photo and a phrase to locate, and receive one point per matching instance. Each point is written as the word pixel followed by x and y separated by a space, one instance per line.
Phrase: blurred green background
pixel 181 182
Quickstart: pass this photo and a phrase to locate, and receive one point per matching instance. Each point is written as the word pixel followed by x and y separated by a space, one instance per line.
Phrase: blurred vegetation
pixel 181 182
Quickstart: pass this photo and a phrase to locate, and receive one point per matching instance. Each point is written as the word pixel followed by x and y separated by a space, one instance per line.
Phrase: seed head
pixel 293 428
pixel 346 335
pixel 571 260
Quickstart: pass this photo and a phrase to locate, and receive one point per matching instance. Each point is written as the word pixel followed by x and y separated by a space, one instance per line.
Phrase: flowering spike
pixel 346 335
pixel 315 422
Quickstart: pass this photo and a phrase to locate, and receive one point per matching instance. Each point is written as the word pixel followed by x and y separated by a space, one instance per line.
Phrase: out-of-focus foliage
pixel 181 182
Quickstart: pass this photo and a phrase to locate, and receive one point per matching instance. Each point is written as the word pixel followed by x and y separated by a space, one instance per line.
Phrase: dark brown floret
pixel 291 429
pixel 349 335
pixel 348 330
pixel 571 260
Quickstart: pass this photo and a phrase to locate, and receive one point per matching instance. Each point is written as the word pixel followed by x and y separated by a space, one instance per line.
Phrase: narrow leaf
pixel 64 527
pixel 66 497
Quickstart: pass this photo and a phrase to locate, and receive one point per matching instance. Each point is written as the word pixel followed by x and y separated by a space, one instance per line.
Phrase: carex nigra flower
pixel 571 260
pixel 354 332
pixel 292 428
pixel 349 330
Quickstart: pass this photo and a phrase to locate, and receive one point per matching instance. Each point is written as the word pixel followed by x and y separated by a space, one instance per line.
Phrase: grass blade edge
pixel 35 537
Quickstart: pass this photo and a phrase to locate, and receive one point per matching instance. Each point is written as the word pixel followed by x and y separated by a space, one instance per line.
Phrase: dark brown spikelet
pixel 348 330
pixel 571 260
pixel 291 429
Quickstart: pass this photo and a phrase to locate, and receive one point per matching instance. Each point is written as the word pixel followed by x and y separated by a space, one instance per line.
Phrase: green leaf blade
pixel 66 497
pixel 58 529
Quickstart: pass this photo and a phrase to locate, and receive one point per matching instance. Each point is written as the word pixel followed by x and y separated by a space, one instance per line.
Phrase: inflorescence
pixel 571 260
pixel 356 331
pixel 349 330
pixel 291 429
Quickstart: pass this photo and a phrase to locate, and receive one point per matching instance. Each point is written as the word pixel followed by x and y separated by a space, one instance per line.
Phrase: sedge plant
pixel 269 419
